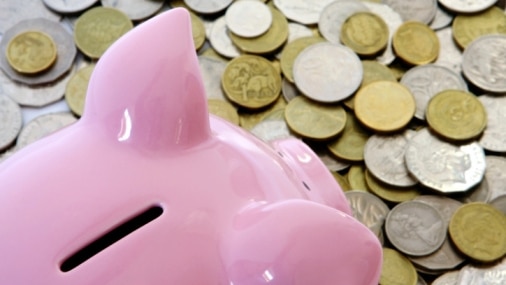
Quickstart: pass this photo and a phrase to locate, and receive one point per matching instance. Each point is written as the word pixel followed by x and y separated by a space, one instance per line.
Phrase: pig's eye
pixel 112 236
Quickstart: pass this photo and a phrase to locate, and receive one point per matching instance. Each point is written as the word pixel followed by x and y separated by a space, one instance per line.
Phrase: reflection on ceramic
pixel 146 188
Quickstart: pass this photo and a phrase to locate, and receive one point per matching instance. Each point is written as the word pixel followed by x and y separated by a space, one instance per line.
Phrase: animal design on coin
pixel 125 173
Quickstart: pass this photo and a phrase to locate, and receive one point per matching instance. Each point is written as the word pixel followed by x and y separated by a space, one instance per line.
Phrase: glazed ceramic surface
pixel 230 209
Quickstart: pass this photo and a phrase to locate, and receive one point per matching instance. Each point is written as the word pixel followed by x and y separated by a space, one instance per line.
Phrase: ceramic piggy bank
pixel 147 188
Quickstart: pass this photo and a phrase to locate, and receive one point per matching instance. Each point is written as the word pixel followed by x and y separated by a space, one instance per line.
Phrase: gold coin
pixel 350 144
pixel 292 50
pixel 77 86
pixel 31 52
pixel 270 41
pixel 251 81
pixel 314 120
pixel 198 31
pixel 397 269
pixel 456 115
pixel 356 178
pixel 384 106
pixel 479 231
pixel 468 27
pixel 99 28
pixel 365 33
pixel 416 43
pixel 390 193
pixel 248 119
pixel 223 109
pixel 342 181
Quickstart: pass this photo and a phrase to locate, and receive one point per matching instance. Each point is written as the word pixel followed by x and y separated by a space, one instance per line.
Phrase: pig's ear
pixel 147 90
pixel 300 242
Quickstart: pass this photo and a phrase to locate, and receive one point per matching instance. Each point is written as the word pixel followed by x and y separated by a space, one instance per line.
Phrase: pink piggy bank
pixel 147 188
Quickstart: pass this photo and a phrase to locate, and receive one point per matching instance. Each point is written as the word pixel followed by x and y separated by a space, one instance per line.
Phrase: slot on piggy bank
pixel 148 188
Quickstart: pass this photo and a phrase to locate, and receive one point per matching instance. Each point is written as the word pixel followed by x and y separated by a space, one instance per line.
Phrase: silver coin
pixel 384 158
pixel 494 136
pixel 499 203
pixel 484 63
pixel 10 121
pixel 450 54
pixel 496 175
pixel 295 31
pixel 248 18
pixel 207 6
pixel 326 72
pixel 212 70
pixel 289 90
pixel 415 228
pixel 368 209
pixel 69 6
pixel 43 126
pixel 427 80
pixel 14 11
pixel 449 278
pixel 334 15
pixel 135 9
pixel 414 10
pixel 272 127
pixel 466 6
pixel 63 40
pixel 442 19
pixel 220 40
pixel 333 164
pixel 306 12
pixel 479 193
pixel 494 274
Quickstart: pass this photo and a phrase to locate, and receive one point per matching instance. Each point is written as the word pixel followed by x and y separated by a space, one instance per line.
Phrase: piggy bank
pixel 148 188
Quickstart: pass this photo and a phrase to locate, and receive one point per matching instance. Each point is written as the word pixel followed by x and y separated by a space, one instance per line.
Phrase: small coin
pixel 69 6
pixel 384 106
pixel 349 146
pixel 365 33
pixel 10 121
pixel 220 39
pixel 368 209
pixel 417 10
pixel 31 52
pixel 479 231
pixel 292 50
pixel 302 11
pixel 251 81
pixel 396 269
pixel 460 6
pixel 208 6
pixel 416 43
pixel 327 73
pixel 43 126
pixel 135 9
pixel 98 28
pixel 198 31
pixel 388 192
pixel 333 16
pixel 443 166
pixel 456 115
pixel 314 120
pixel 248 18
pixel 77 86
pixel 494 136
pixel 224 110
pixel 468 27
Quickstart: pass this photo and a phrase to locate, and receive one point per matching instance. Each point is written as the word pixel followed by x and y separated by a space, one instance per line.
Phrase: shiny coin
pixel 479 231
pixel 448 278
pixel 31 52
pixel 75 92
pixel 492 274
pixel 220 39
pixel 208 6
pixel 248 18
pixel 327 73
pixel 484 64
pixel 135 9
pixel 468 27
pixel 349 146
pixel 333 16
pixel 314 120
pixel 98 28
pixel 302 11
pixel 456 115
pixel 417 10
pixel 198 31
pixel 251 81
pixel 43 126
pixel 384 106
pixel 396 269
pixel 494 136
pixel 388 192
pixel 443 166
pixel 416 43
pixel 69 6
pixel 292 50
pixel 368 209
pixel 365 33
pixel 223 109
pixel 10 121
pixel 460 6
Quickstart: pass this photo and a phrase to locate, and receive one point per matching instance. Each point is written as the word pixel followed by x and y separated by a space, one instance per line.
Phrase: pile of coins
pixel 404 101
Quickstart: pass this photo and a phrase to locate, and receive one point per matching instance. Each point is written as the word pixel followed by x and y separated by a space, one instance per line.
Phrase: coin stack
pixel 404 102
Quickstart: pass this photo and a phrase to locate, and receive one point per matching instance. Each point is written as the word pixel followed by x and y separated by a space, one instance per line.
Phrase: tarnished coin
pixel 223 109
pixel 292 50
pixel 272 127
pixel 388 192
pixel 384 157
pixel 248 18
pixel 135 9
pixel 365 33
pixel 468 27
pixel 220 39
pixel 69 6
pixel 77 86
pixel 417 10
pixel 416 43
pixel 302 11
pixel 43 126
pixel 15 11
pixel 251 81
pixel 327 73
pixel 62 39
pixel 31 52
pixel 460 6
pixel 208 6
pixel 384 106
pixel 496 175
pixel 368 209
pixel 396 269
pixel 443 166
pixel 349 146
pixel 333 16
pixel 427 80
pixel 10 121
pixel 484 64
pixel 415 228
pixel 314 120
pixel 479 231
pixel 212 70
pixel 98 28
pixel 494 136
pixel 456 115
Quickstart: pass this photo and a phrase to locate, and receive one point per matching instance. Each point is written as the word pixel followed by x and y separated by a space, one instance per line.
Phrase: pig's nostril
pixel 305 185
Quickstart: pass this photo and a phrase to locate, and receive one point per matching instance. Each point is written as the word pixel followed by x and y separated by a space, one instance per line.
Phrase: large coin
pixel 349 146
pixel 135 9
pixel 220 39
pixel 415 10
pixel 292 50
pixel 460 6
pixel 208 6
pixel 303 11
pixel 248 18
pixel 365 33
pixel 416 43
pixel 43 126
pixel 69 6
pixel 468 27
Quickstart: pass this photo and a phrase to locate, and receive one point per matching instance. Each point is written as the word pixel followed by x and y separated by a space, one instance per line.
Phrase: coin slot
pixel 109 238
pixel 305 185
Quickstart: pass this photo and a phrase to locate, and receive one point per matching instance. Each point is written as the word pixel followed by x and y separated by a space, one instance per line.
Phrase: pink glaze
pixel 235 210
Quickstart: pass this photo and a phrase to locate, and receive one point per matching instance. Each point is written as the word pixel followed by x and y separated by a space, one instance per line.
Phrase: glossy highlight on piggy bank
pixel 148 188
